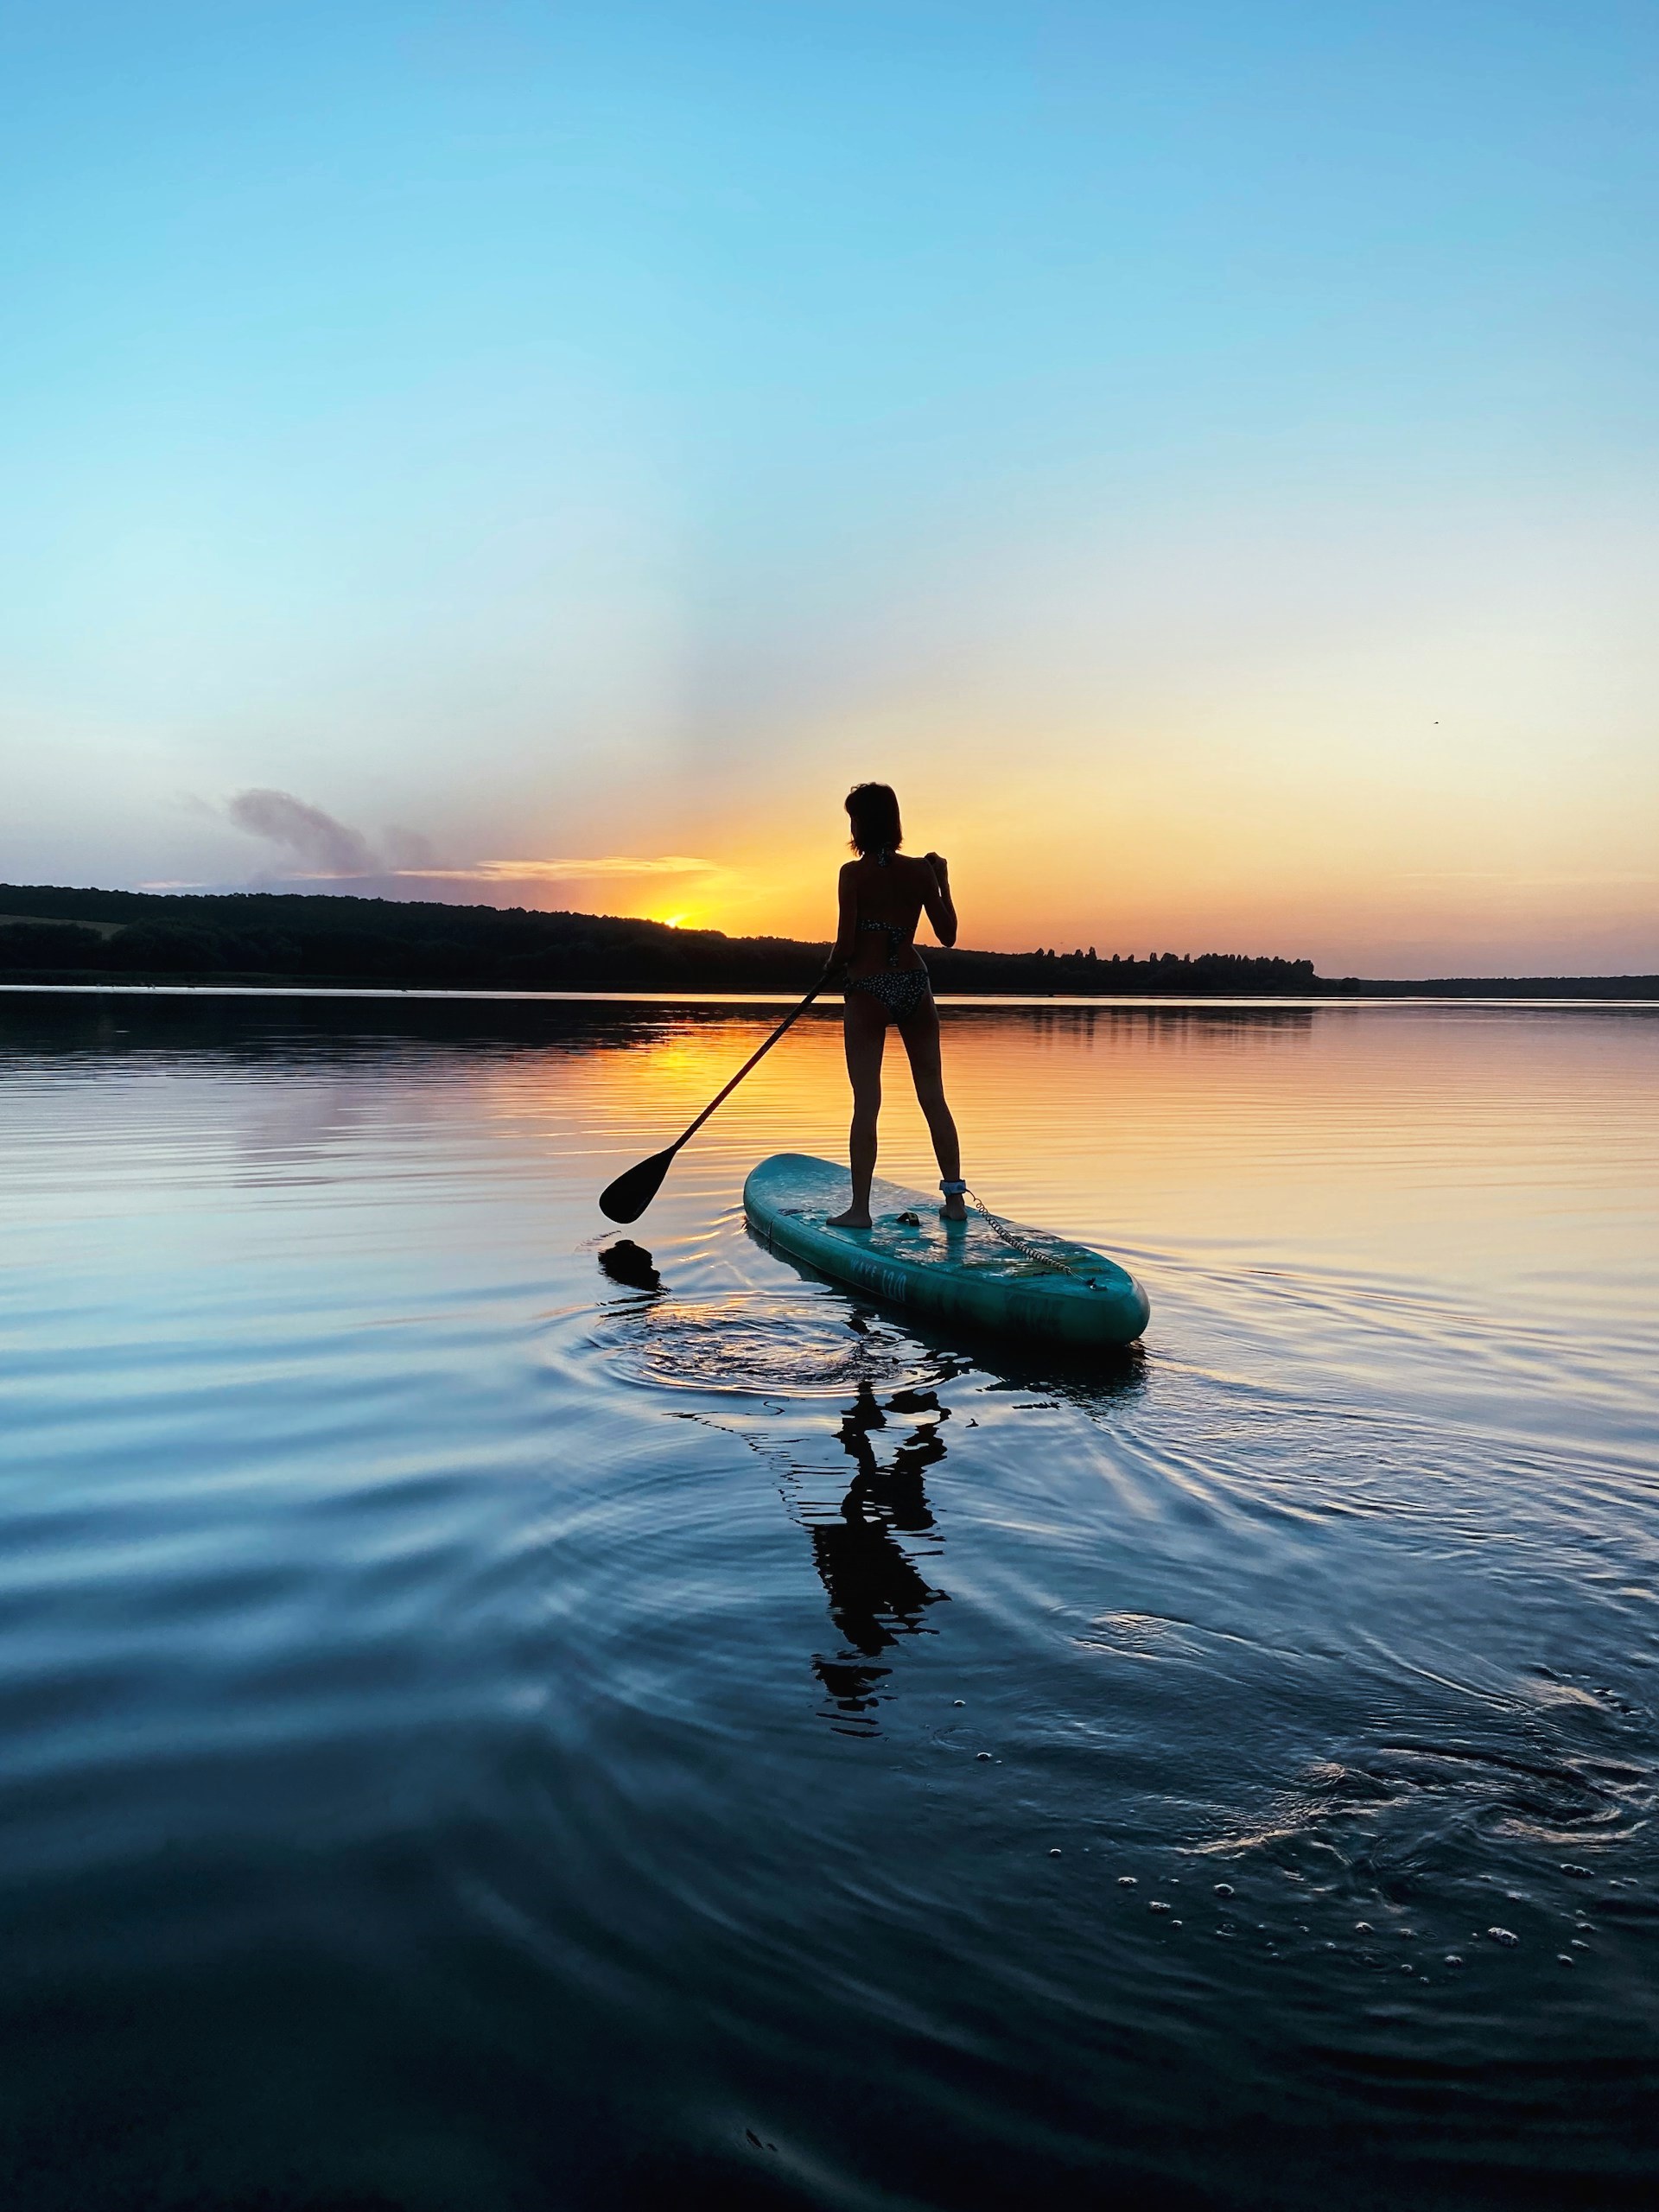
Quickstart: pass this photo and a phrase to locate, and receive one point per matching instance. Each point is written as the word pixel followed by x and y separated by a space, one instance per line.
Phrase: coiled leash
pixel 1011 1237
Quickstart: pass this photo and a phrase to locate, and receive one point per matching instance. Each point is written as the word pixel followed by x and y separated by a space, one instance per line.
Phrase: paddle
pixel 632 1192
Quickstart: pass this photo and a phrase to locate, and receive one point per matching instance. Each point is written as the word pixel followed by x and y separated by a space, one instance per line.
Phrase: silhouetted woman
pixel 884 894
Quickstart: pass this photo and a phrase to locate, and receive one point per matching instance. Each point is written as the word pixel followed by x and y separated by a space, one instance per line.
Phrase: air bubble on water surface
pixel 1546 1795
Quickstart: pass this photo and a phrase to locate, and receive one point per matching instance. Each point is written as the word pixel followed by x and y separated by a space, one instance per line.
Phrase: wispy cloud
pixel 559 869
pixel 319 849
pixel 322 845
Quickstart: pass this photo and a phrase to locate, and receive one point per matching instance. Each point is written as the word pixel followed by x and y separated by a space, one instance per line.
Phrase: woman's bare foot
pixel 953 1209
pixel 855 1217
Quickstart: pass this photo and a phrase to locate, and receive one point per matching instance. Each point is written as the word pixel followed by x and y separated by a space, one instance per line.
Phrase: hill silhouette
pixel 55 933
pixel 59 933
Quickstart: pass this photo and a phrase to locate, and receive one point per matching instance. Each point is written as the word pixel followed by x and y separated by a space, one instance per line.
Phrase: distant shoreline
pixel 64 937
pixel 1457 992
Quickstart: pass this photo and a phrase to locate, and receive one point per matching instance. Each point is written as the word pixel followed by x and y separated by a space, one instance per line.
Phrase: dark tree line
pixel 258 937
pixel 295 937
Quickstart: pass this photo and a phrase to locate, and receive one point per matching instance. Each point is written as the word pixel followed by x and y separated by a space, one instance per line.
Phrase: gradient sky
pixel 1204 455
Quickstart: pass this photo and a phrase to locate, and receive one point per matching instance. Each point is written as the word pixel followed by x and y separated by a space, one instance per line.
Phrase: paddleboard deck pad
pixel 950 1271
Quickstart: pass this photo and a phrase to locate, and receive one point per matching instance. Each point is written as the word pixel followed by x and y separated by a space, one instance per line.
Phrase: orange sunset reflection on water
pixel 1476 1143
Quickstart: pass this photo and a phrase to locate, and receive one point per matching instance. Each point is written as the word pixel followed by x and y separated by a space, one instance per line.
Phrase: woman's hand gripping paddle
pixel 628 1197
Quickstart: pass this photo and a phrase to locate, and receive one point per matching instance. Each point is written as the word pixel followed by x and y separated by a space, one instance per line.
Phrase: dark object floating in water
pixel 630 1264
pixel 916 1402
pixel 1042 1285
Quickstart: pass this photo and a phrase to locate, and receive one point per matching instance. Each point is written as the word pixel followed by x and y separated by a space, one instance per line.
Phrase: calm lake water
pixel 493 1722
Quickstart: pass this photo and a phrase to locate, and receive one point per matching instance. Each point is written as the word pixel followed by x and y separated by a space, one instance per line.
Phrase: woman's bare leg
pixel 920 1032
pixel 864 1030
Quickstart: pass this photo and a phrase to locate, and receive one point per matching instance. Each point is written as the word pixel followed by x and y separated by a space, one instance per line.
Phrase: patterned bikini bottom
pixel 901 990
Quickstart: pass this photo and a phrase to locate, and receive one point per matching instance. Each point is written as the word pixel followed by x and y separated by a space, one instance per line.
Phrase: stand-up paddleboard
pixel 951 1271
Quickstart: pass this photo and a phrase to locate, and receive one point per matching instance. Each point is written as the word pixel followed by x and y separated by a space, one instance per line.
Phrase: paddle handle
pixel 720 1096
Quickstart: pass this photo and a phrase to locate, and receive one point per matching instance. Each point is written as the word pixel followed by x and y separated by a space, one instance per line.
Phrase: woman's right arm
pixel 847 923
pixel 941 911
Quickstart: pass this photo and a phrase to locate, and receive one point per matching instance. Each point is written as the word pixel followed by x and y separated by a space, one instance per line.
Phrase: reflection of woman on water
pixel 876 1592
pixel 883 895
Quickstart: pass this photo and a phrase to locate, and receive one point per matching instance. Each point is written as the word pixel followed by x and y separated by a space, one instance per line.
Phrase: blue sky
pixel 1204 455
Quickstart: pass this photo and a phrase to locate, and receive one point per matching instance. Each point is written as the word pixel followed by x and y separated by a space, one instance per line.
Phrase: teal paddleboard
pixel 950 1271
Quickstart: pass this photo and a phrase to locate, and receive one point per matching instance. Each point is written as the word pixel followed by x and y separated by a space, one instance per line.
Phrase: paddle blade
pixel 628 1197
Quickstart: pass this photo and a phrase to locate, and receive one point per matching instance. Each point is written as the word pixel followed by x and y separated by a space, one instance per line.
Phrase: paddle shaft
pixel 720 1096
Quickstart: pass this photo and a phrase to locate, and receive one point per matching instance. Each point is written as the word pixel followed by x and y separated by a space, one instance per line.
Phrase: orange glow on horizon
pixel 1264 842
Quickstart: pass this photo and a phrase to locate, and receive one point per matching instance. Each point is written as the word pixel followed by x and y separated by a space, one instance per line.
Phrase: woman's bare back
pixel 890 898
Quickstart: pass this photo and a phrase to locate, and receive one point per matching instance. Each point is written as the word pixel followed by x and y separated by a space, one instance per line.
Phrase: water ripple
pixel 493 1714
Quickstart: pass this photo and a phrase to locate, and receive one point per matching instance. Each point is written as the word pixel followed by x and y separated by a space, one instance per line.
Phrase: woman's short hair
pixel 873 809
